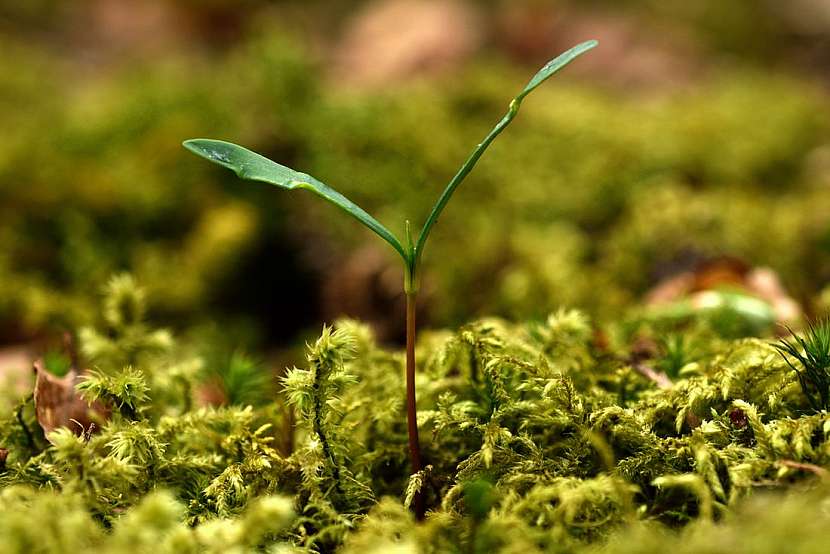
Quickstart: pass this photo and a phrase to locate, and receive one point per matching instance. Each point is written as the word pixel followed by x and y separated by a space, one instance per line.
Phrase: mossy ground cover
pixel 616 426
pixel 612 190
pixel 546 436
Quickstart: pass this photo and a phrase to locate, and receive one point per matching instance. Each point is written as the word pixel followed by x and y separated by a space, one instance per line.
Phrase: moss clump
pixel 538 438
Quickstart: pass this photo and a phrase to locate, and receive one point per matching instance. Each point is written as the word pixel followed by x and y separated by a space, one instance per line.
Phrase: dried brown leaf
pixel 58 404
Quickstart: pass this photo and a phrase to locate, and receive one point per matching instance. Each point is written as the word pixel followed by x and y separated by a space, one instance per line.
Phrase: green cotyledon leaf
pixel 549 69
pixel 555 65
pixel 255 167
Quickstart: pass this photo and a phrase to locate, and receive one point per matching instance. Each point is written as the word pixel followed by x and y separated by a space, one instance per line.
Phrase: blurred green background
pixel 697 130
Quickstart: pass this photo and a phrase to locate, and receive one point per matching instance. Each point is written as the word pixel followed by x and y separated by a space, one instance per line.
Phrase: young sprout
pixel 812 353
pixel 252 166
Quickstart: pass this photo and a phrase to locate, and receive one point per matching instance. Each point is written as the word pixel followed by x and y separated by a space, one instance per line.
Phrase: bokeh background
pixel 696 131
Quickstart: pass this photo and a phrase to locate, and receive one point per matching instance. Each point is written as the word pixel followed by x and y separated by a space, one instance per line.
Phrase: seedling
pixel 252 166
pixel 812 353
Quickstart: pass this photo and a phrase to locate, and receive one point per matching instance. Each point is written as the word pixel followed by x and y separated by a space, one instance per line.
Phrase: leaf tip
pixel 194 145
pixel 216 151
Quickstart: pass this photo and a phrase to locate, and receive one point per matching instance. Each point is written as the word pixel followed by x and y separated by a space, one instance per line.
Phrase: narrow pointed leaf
pixel 549 69
pixel 255 167
pixel 555 65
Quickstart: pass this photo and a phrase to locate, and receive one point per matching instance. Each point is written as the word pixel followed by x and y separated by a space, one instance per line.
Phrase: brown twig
pixel 822 473
pixel 661 379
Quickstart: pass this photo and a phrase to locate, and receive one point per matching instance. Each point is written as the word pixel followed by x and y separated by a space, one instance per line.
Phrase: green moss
pixel 536 437
pixel 613 191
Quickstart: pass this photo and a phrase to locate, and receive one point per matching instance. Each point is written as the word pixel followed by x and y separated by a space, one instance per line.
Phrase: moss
pixel 529 441
pixel 613 193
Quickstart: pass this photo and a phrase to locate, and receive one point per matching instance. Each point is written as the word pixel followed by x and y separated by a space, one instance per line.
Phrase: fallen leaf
pixel 58 404
pixel 729 273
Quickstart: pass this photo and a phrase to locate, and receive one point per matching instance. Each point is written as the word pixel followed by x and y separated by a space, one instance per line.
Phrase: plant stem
pixel 411 409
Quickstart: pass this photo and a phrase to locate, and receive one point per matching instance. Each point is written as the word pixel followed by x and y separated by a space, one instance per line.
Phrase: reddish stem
pixel 411 409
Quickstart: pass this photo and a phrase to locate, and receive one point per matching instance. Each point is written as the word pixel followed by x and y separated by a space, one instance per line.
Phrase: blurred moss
pixel 589 200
